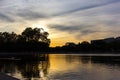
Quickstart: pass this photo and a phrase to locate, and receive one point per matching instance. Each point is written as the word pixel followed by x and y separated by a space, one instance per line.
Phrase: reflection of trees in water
pixel 8 67
pixel 85 59
pixel 28 69
pixel 72 58
pixel 111 60
pixel 108 60
pixel 78 58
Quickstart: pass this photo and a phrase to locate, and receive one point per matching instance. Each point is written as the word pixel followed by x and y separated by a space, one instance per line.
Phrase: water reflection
pixel 94 59
pixel 26 69
pixel 77 67
pixel 64 67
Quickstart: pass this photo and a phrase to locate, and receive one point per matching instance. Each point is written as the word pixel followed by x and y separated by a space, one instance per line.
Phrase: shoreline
pixel 7 77
pixel 54 52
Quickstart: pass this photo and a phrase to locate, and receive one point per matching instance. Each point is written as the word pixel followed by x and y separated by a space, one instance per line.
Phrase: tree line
pixel 31 39
pixel 36 39
pixel 102 45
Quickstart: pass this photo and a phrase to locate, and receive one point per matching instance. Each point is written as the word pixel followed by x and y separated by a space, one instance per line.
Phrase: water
pixel 64 67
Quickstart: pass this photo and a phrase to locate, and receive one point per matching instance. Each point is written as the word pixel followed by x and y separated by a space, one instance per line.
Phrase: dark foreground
pixel 6 77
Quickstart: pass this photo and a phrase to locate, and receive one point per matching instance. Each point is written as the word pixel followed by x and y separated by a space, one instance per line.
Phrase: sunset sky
pixel 65 20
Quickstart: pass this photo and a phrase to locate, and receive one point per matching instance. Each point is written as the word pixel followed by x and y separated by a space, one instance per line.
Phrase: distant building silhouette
pixel 106 40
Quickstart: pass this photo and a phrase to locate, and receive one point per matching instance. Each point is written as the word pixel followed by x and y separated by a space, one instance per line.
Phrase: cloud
pixel 75 30
pixel 32 10
pixel 87 7
pixel 30 15
pixel 81 28
pixel 6 18
pixel 86 31
pixel 64 27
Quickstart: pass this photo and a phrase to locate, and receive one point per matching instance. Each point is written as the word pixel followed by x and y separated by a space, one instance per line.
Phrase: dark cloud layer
pixel 80 29
pixel 65 28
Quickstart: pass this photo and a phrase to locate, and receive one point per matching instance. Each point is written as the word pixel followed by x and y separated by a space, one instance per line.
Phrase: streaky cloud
pixel 30 15
pixel 6 18
pixel 94 31
pixel 65 27
pixel 86 7
pixel 85 29
pixel 81 30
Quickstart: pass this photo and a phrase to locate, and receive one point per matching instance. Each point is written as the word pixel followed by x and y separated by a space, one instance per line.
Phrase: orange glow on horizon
pixel 61 41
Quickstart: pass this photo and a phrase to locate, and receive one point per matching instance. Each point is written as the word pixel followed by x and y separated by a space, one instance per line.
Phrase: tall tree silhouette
pixel 36 34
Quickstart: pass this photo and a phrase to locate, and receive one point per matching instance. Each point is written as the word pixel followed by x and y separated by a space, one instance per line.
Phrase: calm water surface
pixel 65 67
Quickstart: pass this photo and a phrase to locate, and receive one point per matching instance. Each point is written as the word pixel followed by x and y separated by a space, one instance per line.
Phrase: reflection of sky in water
pixel 63 68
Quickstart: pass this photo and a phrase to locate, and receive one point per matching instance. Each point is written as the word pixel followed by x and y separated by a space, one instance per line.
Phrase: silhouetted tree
pixel 85 46
pixel 85 43
pixel 35 39
pixel 36 34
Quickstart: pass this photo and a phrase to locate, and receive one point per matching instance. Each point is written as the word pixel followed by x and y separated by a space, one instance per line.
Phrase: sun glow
pixel 42 26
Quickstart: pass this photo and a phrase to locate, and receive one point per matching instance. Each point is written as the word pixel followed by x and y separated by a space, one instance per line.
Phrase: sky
pixel 65 20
